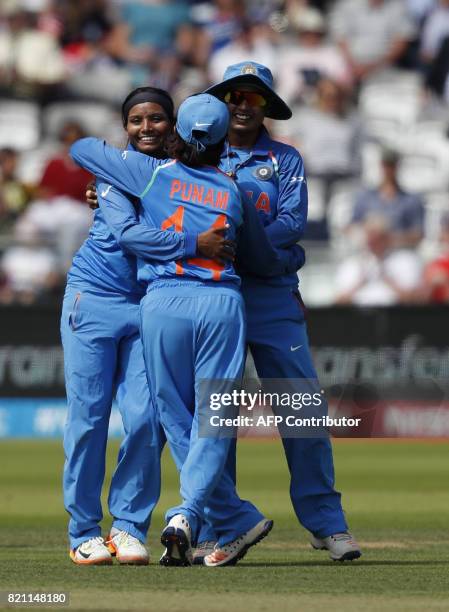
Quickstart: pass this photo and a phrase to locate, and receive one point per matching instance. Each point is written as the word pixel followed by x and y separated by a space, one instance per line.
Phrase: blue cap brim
pixel 277 108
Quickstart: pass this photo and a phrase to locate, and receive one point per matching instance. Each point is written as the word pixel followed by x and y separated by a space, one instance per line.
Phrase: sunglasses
pixel 251 97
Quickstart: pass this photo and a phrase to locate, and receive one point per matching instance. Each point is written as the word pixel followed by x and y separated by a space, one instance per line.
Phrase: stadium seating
pixel 371 169
pixel 425 164
pixel 437 204
pixel 316 284
pixel 317 203
pixel 339 214
pixel 19 124
pixel 32 162
pixel 385 120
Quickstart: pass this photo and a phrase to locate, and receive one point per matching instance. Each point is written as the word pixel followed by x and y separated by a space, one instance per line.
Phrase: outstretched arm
pixel 129 171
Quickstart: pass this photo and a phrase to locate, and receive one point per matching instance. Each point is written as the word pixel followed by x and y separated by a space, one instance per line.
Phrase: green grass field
pixel 396 496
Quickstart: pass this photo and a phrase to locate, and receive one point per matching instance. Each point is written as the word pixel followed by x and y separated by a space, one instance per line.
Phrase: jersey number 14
pixel 176 221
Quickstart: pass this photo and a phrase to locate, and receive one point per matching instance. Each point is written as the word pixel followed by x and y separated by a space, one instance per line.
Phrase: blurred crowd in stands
pixel 368 83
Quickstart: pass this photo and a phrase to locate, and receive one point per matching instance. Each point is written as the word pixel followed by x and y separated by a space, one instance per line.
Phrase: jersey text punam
pixel 192 192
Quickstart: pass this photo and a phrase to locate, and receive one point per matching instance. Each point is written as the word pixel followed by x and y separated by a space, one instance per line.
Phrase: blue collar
pixel 263 144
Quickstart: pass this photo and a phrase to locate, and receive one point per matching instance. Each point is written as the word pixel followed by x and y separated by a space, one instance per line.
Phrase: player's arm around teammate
pixel 218 348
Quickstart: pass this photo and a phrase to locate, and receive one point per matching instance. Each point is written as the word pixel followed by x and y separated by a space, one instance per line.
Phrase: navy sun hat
pixel 258 76
pixel 203 120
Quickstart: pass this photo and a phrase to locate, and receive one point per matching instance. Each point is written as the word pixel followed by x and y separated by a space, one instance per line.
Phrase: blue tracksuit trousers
pixel 275 329
pixel 103 356
pixel 192 331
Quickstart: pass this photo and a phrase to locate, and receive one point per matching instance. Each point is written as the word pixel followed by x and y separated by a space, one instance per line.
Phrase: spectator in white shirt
pixel 253 43
pixel 31 60
pixel 329 135
pixel 373 34
pixel 379 276
pixel 302 65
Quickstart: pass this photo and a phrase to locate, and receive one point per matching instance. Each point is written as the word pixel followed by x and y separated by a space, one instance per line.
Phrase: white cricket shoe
pixel 231 553
pixel 176 538
pixel 202 550
pixel 127 549
pixel 91 552
pixel 341 546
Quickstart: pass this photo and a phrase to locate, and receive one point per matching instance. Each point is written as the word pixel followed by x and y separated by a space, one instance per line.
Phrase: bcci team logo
pixel 263 173
pixel 248 69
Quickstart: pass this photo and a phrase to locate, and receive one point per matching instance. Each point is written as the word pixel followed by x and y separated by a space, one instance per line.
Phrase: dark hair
pixel 148 94
pixel 69 126
pixel 8 152
pixel 390 156
pixel 188 154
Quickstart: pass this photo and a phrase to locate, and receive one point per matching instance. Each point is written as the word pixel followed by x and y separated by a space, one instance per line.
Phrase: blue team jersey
pixel 173 197
pixel 192 200
pixel 272 175
pixel 103 261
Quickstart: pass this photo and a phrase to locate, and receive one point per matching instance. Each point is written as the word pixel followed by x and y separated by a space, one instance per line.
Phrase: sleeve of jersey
pixel 138 238
pixel 293 257
pixel 127 170
pixel 290 223
pixel 255 253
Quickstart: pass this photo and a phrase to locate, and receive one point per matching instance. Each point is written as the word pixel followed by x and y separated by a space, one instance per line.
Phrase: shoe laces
pixel 342 537
pixel 93 543
pixel 124 538
pixel 206 545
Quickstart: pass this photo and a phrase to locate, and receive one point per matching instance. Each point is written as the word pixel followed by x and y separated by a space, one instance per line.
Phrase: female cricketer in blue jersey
pixel 103 356
pixel 192 322
pixel 272 175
